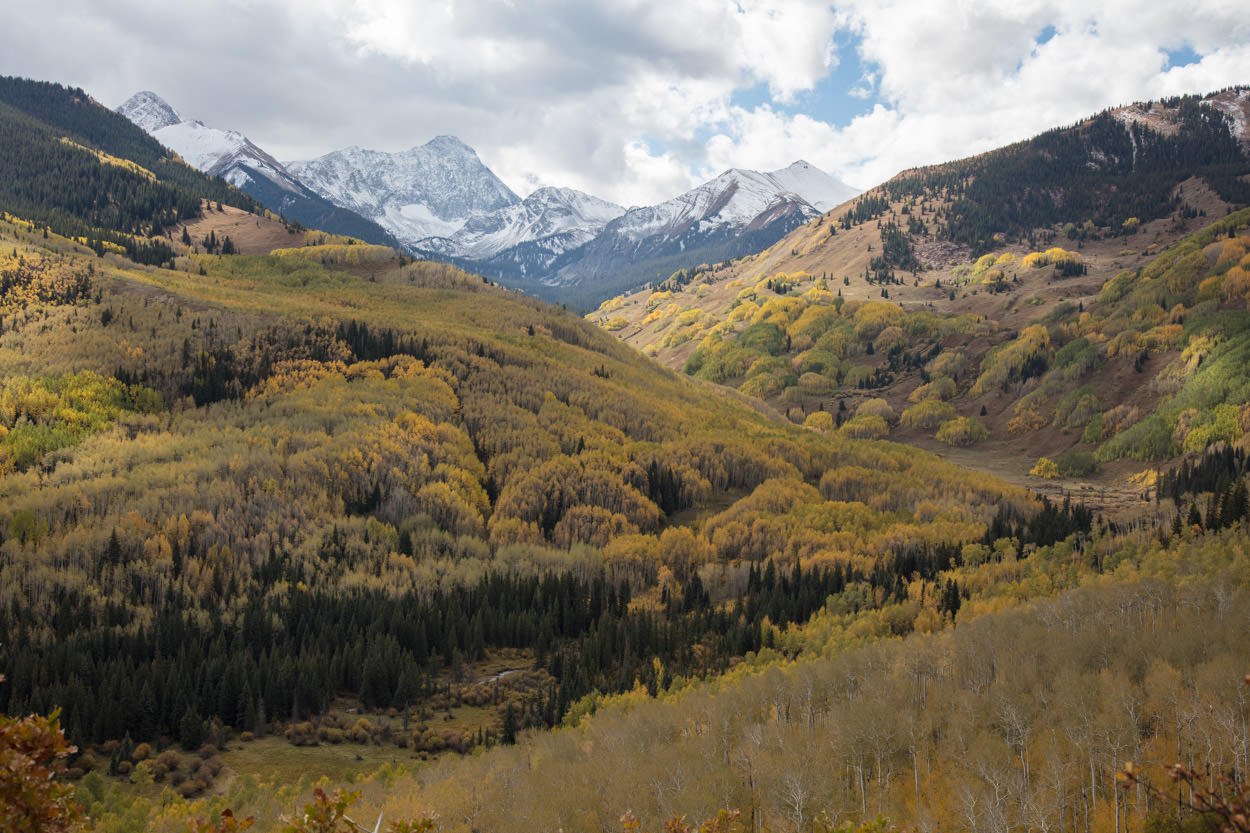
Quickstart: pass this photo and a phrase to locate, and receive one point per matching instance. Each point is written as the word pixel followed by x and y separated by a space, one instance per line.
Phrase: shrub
pixel 940 388
pixel 1045 468
pixel 1150 439
pixel 962 431
pixel 868 427
pixel 819 420
pixel 876 407
pixel 1077 464
pixel 927 414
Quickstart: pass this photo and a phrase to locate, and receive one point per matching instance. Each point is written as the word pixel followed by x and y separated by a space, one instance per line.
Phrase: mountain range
pixel 236 159
pixel 439 200
pixel 299 509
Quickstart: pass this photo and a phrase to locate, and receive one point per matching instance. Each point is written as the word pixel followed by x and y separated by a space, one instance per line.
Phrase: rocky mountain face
pixel 430 190
pixel 523 240
pixel 736 213
pixel 235 158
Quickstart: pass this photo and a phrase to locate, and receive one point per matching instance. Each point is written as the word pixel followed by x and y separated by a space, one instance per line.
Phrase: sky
pixel 636 100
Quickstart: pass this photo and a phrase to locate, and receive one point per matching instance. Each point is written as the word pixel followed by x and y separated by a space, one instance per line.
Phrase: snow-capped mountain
pixel 149 111
pixel 555 220
pixel 735 200
pixel 440 200
pixel 519 243
pixel 733 214
pixel 822 191
pixel 431 190
pixel 234 157
pixel 224 153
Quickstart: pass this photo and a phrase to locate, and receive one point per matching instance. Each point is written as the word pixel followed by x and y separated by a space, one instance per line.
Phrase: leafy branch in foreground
pixel 33 753
pixel 327 813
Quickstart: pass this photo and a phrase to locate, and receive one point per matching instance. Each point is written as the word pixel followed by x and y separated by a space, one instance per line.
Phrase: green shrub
pixel 927 414
pixel 962 431
pixel 1150 439
pixel 867 427
pixel 1077 464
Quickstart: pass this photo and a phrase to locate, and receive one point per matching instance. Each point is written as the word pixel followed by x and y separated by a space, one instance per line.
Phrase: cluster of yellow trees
pixel 518 438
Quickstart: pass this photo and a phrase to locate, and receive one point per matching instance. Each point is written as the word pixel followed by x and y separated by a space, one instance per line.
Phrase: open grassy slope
pixel 888 304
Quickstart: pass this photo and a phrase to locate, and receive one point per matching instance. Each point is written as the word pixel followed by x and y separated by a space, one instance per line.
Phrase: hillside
pixel 883 305
pixel 284 509
pixel 329 429
pixel 84 171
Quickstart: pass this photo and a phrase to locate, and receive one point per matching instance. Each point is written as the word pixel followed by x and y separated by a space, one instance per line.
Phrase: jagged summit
pixel 234 157
pixel 445 142
pixel 430 190
pixel 149 111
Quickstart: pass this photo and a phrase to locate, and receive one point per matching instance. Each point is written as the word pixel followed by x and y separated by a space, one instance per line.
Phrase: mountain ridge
pixel 984 294
pixel 241 162
pixel 428 190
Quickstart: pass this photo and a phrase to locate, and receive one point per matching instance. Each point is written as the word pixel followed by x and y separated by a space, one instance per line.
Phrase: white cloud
pixel 633 99
pixel 956 77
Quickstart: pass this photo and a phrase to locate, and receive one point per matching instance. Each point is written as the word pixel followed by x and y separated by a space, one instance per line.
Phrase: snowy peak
pixel 571 205
pixel 448 146
pixel 818 188
pixel 237 159
pixel 225 153
pixel 431 190
pixel 737 199
pixel 557 219
pixel 149 111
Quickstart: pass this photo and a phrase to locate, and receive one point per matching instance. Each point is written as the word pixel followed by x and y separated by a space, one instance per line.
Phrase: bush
pixel 819 420
pixel 1150 439
pixel 962 431
pixel 927 414
pixel 875 407
pixel 868 427
pixel 1077 464
pixel 1045 468
pixel 940 388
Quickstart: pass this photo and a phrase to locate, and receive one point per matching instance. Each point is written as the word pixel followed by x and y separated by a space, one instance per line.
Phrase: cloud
pixel 955 77
pixel 634 100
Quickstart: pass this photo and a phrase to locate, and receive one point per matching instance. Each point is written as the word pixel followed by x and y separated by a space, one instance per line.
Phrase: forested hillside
pixel 400 472
pixel 319 515
pixel 1013 721
pixel 84 171
pixel 1066 347
pixel 1113 169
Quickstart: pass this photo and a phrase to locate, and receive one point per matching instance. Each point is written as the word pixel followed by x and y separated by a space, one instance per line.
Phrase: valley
pixel 921 509
pixel 853 317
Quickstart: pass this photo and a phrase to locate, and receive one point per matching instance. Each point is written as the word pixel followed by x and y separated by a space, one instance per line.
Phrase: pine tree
pixel 508 734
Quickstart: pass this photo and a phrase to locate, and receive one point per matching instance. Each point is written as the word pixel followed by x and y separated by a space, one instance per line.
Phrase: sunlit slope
pixel 927 310
pixel 201 447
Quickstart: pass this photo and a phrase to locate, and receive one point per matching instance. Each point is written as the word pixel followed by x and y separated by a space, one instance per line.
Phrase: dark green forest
pixel 1101 171
pixel 50 175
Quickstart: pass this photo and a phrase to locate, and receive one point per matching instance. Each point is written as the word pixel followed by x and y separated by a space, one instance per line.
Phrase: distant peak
pixel 549 191
pixel 149 111
pixel 147 96
pixel 448 143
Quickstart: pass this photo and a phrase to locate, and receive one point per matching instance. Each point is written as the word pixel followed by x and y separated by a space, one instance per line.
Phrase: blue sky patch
pixel 831 100
pixel 1182 57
